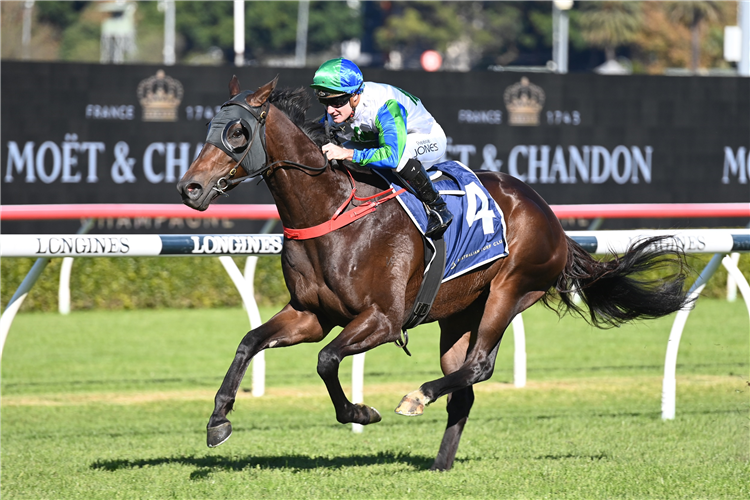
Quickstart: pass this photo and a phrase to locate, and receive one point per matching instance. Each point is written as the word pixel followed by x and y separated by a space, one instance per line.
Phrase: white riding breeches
pixel 427 148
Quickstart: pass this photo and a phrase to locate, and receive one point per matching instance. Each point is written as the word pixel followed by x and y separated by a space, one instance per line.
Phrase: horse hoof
pixel 217 435
pixel 372 414
pixel 440 468
pixel 412 404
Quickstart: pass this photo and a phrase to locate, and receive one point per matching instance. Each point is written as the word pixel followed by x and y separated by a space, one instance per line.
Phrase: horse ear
pixel 261 95
pixel 234 86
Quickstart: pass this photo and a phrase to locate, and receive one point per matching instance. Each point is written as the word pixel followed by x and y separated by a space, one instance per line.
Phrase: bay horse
pixel 364 277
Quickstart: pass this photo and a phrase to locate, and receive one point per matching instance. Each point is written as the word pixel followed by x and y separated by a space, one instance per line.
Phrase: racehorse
pixel 365 276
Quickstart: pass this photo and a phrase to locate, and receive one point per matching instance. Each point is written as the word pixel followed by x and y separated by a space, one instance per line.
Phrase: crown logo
pixel 524 101
pixel 160 96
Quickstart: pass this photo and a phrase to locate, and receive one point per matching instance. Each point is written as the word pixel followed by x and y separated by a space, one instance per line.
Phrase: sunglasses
pixel 336 102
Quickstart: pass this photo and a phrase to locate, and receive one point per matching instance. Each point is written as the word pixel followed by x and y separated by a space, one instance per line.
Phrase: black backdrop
pixel 75 133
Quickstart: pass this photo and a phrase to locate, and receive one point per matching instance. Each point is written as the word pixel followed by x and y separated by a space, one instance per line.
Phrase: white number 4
pixel 474 192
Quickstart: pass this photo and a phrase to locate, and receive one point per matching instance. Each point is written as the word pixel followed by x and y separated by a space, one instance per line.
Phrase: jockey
pixel 390 128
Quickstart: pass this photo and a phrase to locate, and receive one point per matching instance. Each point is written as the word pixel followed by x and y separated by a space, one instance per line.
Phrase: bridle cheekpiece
pixel 250 155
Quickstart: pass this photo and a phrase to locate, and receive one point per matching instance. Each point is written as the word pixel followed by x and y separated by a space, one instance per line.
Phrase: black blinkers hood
pixel 236 110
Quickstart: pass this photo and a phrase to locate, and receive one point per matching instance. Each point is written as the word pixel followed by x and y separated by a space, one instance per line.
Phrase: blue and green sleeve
pixel 391 125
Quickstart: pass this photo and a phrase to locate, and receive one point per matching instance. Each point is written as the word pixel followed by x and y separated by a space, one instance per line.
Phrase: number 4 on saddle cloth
pixel 477 234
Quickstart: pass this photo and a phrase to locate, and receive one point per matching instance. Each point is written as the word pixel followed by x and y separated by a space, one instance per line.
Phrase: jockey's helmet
pixel 336 80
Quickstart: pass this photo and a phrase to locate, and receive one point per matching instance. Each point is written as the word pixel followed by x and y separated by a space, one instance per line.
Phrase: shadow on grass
pixel 209 464
pixel 574 456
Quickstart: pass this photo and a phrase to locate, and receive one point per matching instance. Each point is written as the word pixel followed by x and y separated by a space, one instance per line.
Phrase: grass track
pixel 114 405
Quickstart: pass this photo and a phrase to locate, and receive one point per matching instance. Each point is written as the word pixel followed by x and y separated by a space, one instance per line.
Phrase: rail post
pixel 519 352
pixel 15 302
pixel 731 283
pixel 669 384
pixel 63 292
pixel 259 360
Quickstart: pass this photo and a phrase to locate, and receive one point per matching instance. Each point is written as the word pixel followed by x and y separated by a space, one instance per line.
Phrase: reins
pixel 234 181
pixel 227 181
pixel 339 219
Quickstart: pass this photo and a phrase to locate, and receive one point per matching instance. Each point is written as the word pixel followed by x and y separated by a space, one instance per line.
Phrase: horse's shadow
pixel 208 464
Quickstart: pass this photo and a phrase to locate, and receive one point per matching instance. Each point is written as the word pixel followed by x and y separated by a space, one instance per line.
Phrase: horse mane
pixel 294 103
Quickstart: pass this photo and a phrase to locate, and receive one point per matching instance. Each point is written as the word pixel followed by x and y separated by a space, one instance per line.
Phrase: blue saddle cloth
pixel 477 234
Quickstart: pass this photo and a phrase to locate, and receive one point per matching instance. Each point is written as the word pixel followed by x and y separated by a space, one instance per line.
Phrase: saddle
pixel 476 236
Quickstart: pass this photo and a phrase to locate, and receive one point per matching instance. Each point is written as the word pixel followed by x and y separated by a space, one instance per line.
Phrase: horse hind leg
pixel 459 405
pixel 453 348
pixel 501 306
pixel 288 327
pixel 466 359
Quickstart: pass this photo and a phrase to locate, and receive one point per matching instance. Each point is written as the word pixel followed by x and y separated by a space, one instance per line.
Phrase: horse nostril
pixel 193 190
pixel 190 190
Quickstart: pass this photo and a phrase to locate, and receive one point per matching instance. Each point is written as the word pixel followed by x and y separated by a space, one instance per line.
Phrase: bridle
pixel 259 113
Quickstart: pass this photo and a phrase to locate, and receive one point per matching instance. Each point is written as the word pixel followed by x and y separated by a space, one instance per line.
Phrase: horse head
pixel 235 147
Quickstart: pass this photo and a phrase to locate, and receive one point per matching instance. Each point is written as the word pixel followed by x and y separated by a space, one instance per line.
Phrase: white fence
pixel 721 242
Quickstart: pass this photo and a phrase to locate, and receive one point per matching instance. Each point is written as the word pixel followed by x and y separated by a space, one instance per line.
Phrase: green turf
pixel 114 405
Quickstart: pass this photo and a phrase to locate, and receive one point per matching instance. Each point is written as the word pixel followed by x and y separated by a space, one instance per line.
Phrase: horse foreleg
pixel 368 330
pixel 288 327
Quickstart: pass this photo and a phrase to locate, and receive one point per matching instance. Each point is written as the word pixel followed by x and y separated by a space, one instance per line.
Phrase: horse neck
pixel 303 197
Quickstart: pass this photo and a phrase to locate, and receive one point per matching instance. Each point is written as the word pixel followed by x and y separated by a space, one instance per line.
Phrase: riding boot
pixel 438 215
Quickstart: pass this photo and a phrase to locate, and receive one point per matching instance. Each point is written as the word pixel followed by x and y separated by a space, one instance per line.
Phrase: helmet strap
pixel 353 105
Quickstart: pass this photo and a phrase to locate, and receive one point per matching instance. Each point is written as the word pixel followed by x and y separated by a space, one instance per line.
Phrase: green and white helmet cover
pixel 337 76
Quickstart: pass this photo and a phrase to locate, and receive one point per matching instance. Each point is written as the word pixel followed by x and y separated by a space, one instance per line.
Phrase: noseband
pixel 234 116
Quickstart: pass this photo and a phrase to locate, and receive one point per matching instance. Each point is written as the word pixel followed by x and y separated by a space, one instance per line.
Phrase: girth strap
pixel 427 291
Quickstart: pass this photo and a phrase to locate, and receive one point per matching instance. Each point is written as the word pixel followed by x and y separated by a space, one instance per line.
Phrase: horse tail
pixel 623 288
